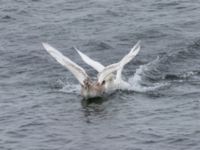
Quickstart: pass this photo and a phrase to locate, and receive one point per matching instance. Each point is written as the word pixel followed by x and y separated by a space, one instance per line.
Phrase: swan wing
pixel 127 58
pixel 94 64
pixel 107 71
pixel 133 52
pixel 75 69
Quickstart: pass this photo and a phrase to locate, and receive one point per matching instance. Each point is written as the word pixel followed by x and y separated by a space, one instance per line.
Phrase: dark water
pixel 40 105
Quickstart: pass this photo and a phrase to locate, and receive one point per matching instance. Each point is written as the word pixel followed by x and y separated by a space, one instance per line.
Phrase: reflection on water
pixel 93 107
pixel 89 102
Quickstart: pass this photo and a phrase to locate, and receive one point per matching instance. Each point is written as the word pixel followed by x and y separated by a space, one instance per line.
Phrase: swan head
pixel 92 89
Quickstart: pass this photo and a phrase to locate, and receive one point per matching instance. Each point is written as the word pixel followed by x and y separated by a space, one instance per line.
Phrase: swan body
pixel 106 80
pixel 92 89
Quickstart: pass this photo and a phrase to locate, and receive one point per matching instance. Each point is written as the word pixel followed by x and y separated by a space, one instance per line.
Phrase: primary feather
pixel 75 69
pixel 96 65
pixel 107 71
pixel 127 58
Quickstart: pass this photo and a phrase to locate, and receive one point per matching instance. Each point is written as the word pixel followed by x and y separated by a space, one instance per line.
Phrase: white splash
pixel 136 82
pixel 68 87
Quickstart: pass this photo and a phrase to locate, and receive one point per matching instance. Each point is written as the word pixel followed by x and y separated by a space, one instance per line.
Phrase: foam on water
pixel 71 88
pixel 68 87
pixel 137 82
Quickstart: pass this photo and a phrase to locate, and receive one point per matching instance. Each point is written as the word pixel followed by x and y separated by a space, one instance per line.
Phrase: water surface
pixel 40 105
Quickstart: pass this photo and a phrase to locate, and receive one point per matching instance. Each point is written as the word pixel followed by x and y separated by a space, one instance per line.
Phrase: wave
pixel 141 81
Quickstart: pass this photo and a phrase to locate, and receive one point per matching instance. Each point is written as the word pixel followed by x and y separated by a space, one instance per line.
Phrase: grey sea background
pixel 40 103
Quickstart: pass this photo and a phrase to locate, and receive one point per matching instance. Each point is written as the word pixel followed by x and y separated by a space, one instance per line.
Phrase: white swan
pixel 89 88
pixel 113 82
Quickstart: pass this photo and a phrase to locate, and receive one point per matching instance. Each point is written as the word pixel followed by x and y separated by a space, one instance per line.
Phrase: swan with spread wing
pixel 105 77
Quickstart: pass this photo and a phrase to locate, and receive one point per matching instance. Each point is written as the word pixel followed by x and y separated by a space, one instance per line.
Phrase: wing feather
pixel 127 58
pixel 75 69
pixel 133 52
pixel 94 64
pixel 107 71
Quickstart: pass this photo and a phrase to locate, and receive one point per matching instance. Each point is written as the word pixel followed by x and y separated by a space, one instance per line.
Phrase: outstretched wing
pixel 133 52
pixel 107 71
pixel 94 64
pixel 127 58
pixel 75 69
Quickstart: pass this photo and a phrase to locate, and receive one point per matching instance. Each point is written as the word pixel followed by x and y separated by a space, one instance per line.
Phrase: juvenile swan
pixel 89 88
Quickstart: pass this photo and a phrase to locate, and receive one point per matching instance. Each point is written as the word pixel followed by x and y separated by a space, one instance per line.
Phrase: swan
pixel 112 82
pixel 89 88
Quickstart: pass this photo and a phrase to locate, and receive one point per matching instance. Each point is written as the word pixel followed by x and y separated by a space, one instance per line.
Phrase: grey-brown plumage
pixel 92 88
